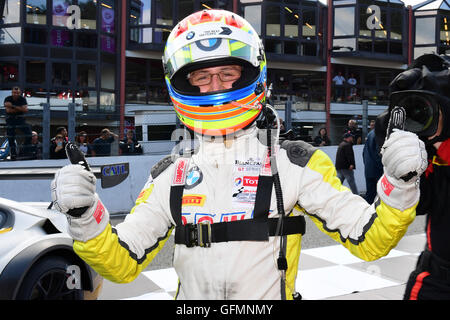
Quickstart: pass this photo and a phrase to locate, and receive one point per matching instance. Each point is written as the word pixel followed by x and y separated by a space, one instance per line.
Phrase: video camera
pixel 423 91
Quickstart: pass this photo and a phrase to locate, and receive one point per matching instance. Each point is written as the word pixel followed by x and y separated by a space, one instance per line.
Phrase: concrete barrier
pixel 29 181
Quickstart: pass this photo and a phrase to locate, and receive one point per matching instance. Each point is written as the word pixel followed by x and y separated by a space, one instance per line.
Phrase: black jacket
pixel 130 148
pixel 345 156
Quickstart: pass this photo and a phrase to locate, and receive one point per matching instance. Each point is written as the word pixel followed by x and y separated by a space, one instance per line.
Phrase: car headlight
pixel 6 220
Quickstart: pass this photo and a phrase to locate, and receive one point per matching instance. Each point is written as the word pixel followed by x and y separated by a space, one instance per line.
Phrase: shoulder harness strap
pixel 257 229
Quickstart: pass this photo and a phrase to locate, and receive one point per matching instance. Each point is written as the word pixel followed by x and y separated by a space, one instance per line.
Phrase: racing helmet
pixel 210 38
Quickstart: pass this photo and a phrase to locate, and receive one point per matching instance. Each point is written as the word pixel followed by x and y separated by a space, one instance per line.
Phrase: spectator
pixel 83 143
pixel 35 151
pixel 62 131
pixel 339 81
pixel 373 168
pixel 16 106
pixel 130 145
pixel 371 125
pixel 353 129
pixel 322 138
pixel 282 125
pixel 58 147
pixel 101 147
pixel 352 82
pixel 345 162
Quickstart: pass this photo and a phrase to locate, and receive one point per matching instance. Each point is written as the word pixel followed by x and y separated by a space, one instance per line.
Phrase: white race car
pixel 36 256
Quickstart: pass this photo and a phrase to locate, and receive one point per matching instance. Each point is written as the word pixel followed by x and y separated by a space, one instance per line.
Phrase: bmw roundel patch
pixel 194 177
pixel 190 35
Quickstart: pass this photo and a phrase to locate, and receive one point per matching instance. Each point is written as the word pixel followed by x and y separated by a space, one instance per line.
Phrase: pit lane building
pixel 105 56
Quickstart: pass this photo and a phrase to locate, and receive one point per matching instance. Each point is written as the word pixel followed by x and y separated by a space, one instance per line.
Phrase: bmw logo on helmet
pixel 190 35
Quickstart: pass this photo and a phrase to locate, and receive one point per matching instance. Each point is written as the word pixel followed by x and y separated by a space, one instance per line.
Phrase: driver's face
pixel 215 78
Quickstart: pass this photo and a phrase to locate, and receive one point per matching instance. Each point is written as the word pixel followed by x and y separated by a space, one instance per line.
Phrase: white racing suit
pixel 220 186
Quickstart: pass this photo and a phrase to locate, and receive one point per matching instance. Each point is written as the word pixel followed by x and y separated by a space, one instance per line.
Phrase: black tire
pixel 47 280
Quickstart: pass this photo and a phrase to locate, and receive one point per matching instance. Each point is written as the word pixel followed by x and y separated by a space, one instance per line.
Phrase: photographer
pixel 129 145
pixel 423 91
pixel 57 147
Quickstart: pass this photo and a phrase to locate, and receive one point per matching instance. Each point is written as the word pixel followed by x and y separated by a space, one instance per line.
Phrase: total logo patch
pixel 194 177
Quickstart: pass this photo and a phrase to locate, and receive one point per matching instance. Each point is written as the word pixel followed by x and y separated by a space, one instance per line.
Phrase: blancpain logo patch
pixel 249 162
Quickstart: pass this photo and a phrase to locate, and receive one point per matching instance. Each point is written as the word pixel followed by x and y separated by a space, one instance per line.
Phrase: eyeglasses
pixel 201 78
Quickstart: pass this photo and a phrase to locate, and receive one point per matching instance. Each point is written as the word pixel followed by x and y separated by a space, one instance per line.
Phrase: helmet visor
pixel 213 48
pixel 422 111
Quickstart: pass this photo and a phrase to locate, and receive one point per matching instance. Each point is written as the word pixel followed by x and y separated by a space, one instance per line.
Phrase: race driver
pixel 224 200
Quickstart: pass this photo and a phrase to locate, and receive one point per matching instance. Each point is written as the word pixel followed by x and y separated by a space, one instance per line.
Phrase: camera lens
pixel 419 113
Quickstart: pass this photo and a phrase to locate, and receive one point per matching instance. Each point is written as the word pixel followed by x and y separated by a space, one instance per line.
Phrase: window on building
pixel 88 10
pixel 107 101
pixel 306 89
pixel 444 34
pixel 141 35
pixel 364 30
pixel 308 22
pixel 379 29
pixel 61 53
pixel 10 35
pixel 291 28
pixel 11 11
pixel 185 8
pixel 164 12
pixel 108 76
pixel 107 43
pixel 291 17
pixel 291 47
pixel 108 17
pixel 136 70
pixel 35 35
pixel 59 12
pixel 161 35
pixel 36 11
pixel 425 30
pixel 9 72
pixel 273 21
pixel 86 75
pixel 87 40
pixel 140 12
pixel 160 132
pixel 396 25
pixel 135 93
pixel 273 46
pixel 89 100
pixel 381 25
pixel 344 21
pixel 61 38
pixel 61 74
pixel 35 71
pixel 253 15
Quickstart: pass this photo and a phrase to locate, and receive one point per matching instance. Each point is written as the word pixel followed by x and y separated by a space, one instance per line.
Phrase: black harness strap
pixel 263 197
pixel 176 197
pixel 257 229
pixel 242 230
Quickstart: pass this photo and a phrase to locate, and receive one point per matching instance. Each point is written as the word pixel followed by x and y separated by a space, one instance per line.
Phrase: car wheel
pixel 47 280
